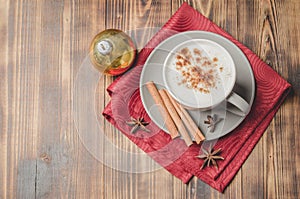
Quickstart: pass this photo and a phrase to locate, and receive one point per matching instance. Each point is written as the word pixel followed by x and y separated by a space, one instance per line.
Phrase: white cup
pixel 200 74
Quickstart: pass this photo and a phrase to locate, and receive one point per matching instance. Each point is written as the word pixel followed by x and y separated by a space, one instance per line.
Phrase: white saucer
pixel 245 83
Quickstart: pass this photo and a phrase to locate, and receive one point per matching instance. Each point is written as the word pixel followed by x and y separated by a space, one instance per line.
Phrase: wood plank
pixel 286 123
pixel 4 110
pixel 53 154
pixel 21 132
pixel 86 175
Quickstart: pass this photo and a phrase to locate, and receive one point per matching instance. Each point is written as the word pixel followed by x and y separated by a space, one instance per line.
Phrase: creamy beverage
pixel 199 73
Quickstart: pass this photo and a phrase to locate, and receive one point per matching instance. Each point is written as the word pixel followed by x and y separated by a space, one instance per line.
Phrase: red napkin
pixel 271 90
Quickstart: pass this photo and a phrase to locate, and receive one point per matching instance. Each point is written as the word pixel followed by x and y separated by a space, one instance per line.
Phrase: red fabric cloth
pixel 271 90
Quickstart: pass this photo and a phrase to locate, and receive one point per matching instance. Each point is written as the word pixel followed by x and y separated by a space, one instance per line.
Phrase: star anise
pixel 212 121
pixel 210 156
pixel 136 124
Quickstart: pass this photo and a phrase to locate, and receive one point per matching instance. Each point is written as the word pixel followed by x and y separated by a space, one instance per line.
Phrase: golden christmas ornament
pixel 112 52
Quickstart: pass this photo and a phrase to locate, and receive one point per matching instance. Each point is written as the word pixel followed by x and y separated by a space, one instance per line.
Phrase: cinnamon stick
pixel 158 100
pixel 188 121
pixel 175 117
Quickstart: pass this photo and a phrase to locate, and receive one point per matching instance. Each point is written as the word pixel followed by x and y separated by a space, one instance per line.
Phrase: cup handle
pixel 240 106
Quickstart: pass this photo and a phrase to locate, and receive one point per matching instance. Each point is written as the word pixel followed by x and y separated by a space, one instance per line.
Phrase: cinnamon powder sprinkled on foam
pixel 198 72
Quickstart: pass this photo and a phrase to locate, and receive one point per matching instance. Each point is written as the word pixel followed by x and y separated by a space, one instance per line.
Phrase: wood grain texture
pixel 43 45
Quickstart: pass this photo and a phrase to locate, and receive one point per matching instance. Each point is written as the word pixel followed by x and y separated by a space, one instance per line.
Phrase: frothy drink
pixel 199 73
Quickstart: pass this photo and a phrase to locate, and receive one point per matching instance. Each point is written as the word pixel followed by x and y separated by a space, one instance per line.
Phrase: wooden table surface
pixel 43 45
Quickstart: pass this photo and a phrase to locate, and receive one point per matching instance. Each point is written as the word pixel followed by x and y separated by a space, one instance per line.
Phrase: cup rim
pixel 199 106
